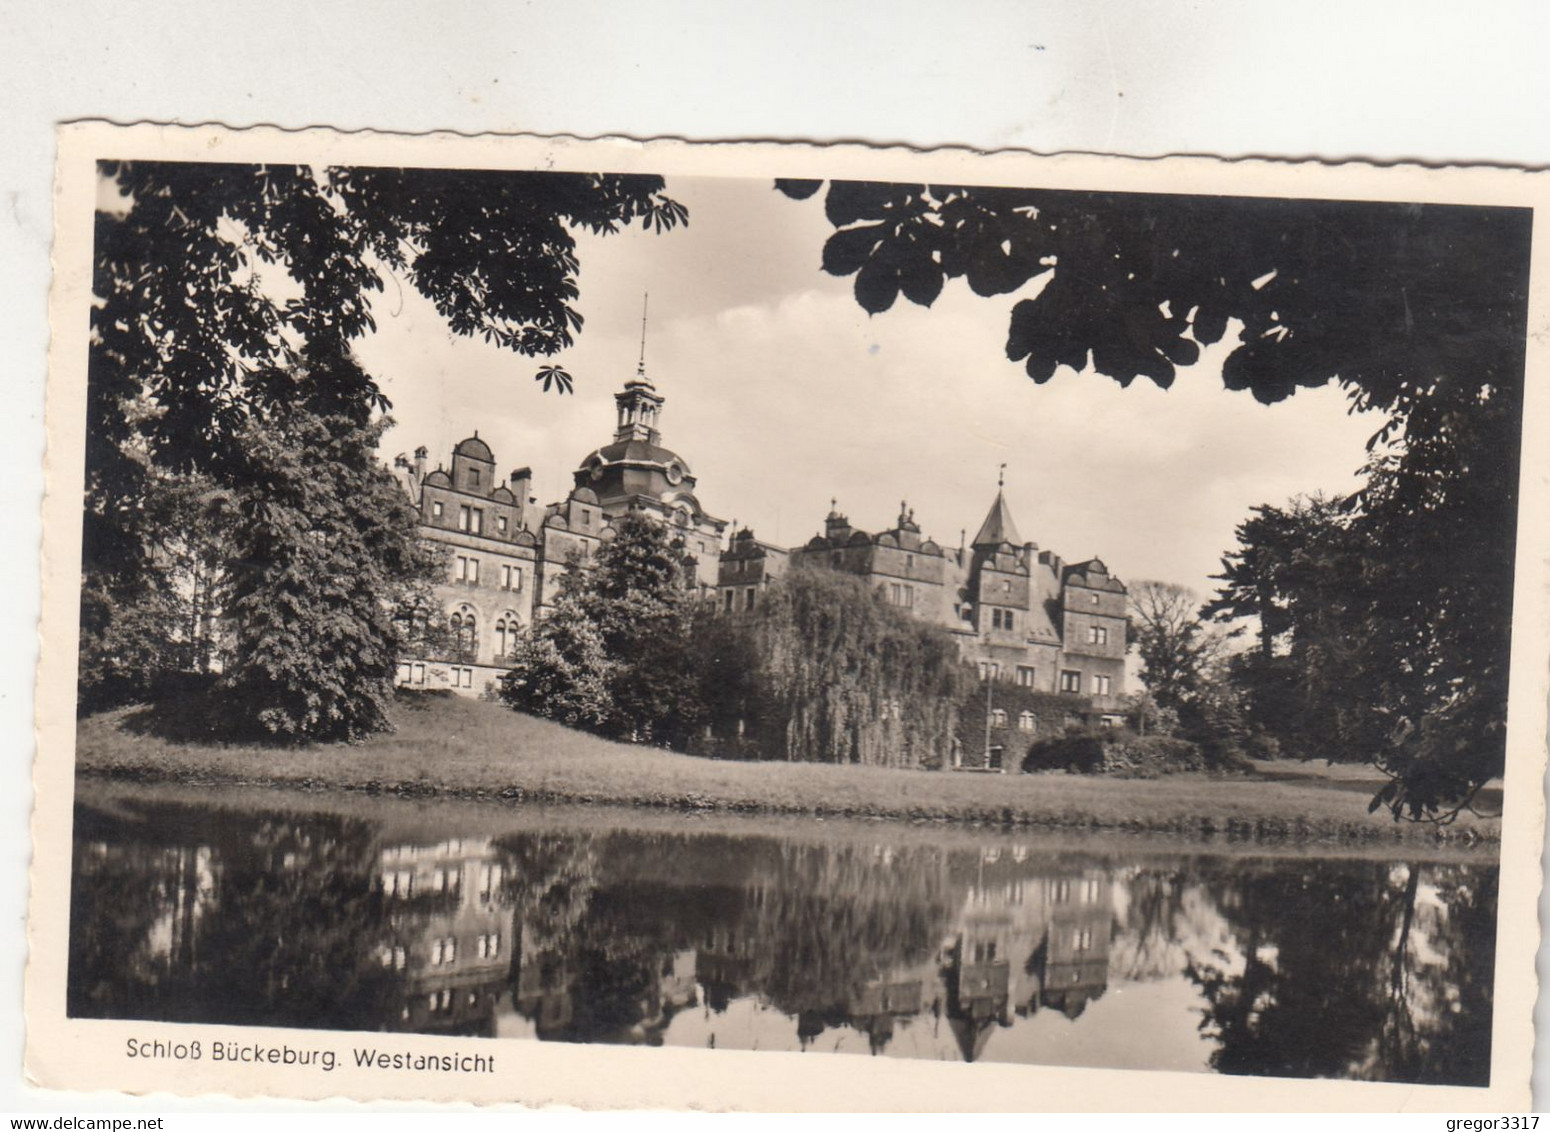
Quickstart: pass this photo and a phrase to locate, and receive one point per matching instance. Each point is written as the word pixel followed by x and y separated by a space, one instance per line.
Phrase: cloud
pixel 782 393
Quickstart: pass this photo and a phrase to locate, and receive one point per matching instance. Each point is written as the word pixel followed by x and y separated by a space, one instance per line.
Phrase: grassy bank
pixel 458 748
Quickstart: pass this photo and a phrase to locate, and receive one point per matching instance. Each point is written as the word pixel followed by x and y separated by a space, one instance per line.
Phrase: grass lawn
pixel 455 747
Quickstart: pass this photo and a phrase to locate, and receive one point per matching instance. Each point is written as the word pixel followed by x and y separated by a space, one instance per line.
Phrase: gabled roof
pixel 998 527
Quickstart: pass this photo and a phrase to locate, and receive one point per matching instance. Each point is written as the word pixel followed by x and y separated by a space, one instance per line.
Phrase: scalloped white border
pixel 63 1053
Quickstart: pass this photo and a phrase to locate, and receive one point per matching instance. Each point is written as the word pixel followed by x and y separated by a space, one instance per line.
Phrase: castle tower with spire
pixel 1023 617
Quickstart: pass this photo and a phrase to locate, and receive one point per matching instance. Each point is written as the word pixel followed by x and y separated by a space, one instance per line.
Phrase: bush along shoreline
pixel 446 747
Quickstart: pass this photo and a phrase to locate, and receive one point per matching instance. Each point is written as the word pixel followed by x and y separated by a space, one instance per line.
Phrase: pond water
pixel 594 926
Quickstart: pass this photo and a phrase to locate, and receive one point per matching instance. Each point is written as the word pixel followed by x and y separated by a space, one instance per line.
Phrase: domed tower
pixel 636 473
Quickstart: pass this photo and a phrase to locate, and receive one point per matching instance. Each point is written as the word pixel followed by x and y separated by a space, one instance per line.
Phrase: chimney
pixel 521 485
pixel 422 455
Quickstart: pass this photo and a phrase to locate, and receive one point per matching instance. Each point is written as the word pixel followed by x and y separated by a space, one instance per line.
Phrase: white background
pixel 1439 82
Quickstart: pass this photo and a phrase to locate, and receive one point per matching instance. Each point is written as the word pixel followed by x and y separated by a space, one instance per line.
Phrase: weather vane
pixel 1001 477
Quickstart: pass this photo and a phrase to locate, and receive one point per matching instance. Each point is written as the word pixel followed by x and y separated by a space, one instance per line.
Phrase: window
pixel 998 718
pixel 444 951
pixel 1007 618
pixel 490 945
pixel 1025 722
pixel 1082 939
pixel 995 618
pixel 506 634
pixel 478 523
pixel 1006 587
pixel 1101 685
pixel 586 517
pixel 1097 635
pixel 966 611
pixel 511 577
pixel 989 670
pixel 730 597
pixel 909 597
pixel 436 509
pixel 489 881
pixel 909 563
pixel 464 628
pixel 419 673
pixel 500 523
pixel 1070 681
pixel 473 477
pixel 473 571
pixel 1095 599
pixel 748 598
pixel 464 517
pixel 1025 674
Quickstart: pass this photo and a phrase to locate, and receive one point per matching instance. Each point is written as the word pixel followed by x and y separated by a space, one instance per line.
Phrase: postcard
pixel 763 626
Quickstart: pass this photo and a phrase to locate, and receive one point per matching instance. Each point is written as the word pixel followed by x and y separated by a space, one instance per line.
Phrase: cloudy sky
pixel 782 393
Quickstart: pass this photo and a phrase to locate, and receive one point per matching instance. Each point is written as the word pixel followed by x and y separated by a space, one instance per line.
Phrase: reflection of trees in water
pixel 1352 969
pixel 1305 968
pixel 830 921
pixel 1165 920
pixel 808 928
pixel 550 879
pixel 1438 1023
pixel 272 920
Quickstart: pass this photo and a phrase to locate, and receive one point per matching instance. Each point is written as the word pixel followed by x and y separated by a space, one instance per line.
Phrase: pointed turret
pixel 998 528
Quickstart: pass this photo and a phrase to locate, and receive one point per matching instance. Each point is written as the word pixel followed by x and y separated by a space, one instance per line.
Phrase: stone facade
pixel 1024 617
pixel 504 555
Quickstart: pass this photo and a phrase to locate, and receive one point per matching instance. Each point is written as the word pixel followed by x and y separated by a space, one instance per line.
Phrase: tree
pixel 615 653
pixel 1184 668
pixel 1305 574
pixel 560 669
pixel 1176 645
pixel 1418 311
pixel 227 294
pixel 1268 570
pixel 325 550
pixel 838 675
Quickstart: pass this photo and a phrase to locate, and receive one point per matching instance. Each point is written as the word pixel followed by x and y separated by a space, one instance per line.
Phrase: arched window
pixel 1026 722
pixel 465 630
pixel 998 718
pixel 506 634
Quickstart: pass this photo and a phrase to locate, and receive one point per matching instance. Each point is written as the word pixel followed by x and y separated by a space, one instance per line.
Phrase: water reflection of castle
pixel 451 934
pixel 1021 937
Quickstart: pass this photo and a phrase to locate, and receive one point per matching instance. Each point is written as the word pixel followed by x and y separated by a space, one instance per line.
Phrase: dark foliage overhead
pixel 1417 311
pixel 228 297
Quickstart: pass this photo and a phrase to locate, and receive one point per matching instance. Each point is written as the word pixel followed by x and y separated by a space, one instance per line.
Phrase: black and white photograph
pixel 811 611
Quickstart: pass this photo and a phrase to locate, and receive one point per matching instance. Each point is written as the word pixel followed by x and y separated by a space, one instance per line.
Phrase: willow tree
pixel 840 676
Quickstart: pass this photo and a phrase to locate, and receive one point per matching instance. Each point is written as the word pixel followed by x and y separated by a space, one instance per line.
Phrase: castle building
pixel 503 556
pixel 1020 614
